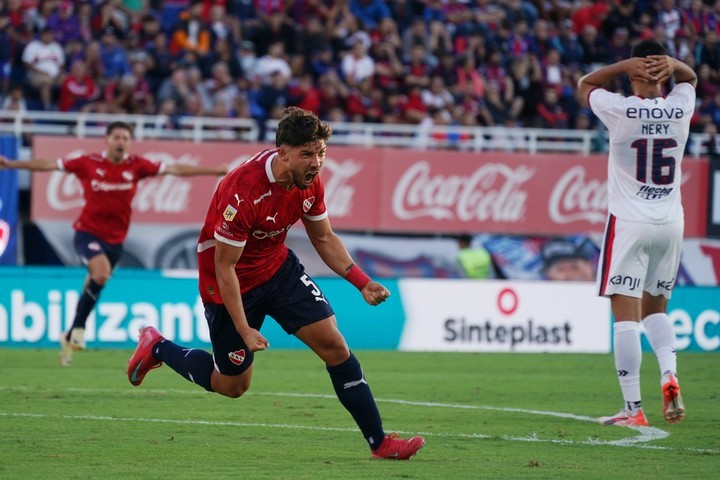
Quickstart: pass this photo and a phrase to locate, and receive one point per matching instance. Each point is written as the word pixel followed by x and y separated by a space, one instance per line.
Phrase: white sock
pixel 661 335
pixel 628 358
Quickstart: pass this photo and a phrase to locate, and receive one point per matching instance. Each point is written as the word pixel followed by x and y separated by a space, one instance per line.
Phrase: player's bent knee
pixel 230 387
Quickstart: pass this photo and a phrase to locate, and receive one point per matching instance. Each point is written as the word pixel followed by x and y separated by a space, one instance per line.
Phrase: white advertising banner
pixel 502 316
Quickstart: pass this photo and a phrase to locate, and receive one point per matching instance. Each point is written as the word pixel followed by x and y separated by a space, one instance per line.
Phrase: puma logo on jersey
pixel 238 199
pixel 272 219
pixel 100 172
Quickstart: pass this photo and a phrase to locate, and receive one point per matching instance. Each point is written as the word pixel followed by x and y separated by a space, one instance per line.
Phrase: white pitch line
pixel 646 434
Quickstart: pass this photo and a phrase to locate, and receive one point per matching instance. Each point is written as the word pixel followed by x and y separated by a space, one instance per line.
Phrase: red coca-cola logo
pixel 491 192
pixel 576 198
pixel 339 193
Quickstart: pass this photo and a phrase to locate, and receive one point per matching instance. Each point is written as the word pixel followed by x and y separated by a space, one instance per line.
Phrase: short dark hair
pixel 119 124
pixel 299 127
pixel 648 47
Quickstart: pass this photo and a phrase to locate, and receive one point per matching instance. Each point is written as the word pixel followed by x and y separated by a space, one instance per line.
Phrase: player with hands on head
pixel 109 183
pixel 247 273
pixel 641 249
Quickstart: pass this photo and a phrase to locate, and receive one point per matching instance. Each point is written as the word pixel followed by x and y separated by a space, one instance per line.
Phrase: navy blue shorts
pixel 290 297
pixel 88 245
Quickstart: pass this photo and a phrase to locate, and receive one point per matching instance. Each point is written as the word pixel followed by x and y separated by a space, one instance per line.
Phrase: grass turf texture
pixel 89 422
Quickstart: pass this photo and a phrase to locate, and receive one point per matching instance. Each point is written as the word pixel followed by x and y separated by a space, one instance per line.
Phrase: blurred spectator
pixel 670 17
pixel 143 100
pixel 388 67
pixel 221 52
pixel 711 112
pixel 416 34
pixel 566 42
pixel 113 55
pixel 15 101
pixel 417 70
pixel 110 14
pixel 94 62
pixel 590 13
pixel 305 95
pixel 161 63
pixel 550 113
pixel 357 65
pixel 469 79
pixel 223 26
pixel 149 30
pixel 246 58
pixel 84 17
pixel 414 110
pixel 621 15
pixel 323 62
pixel 78 89
pixel 619 48
pixel 348 31
pixel 273 61
pixel 44 59
pixel 712 144
pixel 527 77
pixel 64 23
pixel 312 38
pixel 220 86
pixel 437 96
pixel 541 40
pixel 360 105
pixel 594 47
pixel 369 12
pixel 191 33
pixel 276 29
pixel 708 51
pixel 475 261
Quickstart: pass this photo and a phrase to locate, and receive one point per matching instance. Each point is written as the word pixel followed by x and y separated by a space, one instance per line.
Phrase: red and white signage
pixel 388 190
pixel 503 316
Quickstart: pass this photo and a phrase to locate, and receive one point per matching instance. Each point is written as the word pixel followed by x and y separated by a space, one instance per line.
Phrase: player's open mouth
pixel 310 177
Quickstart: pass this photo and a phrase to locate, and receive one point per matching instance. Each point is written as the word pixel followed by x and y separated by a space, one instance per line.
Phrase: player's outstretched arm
pixel 192 170
pixel 37 165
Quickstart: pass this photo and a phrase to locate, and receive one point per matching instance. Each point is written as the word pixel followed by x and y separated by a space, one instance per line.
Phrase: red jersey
pixel 250 210
pixel 108 190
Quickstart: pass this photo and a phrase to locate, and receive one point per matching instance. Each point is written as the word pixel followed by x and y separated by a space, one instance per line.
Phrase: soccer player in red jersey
pixel 247 272
pixel 109 180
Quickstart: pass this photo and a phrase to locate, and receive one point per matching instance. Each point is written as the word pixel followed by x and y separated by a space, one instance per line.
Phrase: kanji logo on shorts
pixel 237 357
pixel 307 203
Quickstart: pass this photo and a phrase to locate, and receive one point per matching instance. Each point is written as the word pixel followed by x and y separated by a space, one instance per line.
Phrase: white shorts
pixel 637 257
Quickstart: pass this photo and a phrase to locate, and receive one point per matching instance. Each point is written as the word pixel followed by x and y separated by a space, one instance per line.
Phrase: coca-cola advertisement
pixel 379 190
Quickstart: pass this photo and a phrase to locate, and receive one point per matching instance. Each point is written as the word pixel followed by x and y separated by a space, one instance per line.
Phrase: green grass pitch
pixel 486 416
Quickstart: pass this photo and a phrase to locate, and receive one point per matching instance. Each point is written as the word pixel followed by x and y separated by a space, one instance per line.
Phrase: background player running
pixel 109 183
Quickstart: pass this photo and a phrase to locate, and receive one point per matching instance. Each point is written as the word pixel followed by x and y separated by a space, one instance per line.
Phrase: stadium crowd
pixel 443 62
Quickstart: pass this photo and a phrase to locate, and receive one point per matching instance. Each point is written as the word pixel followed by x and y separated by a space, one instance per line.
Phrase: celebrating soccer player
pixel 247 272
